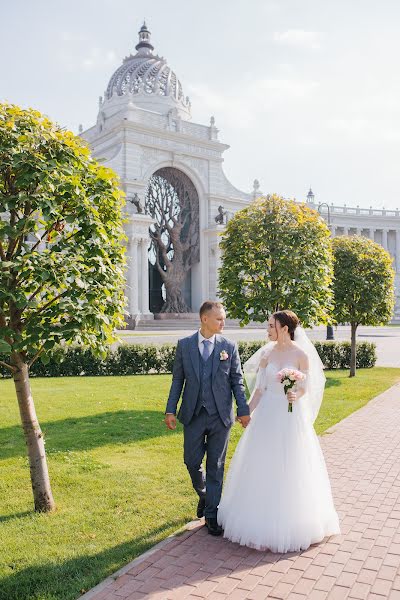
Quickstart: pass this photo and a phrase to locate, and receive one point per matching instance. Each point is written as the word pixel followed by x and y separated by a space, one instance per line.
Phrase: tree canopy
pixel 363 285
pixel 276 254
pixel 60 239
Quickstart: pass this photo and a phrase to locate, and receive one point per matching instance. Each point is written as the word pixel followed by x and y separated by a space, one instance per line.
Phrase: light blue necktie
pixel 206 350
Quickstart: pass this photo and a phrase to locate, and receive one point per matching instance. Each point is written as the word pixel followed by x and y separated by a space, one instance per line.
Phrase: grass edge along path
pixel 117 475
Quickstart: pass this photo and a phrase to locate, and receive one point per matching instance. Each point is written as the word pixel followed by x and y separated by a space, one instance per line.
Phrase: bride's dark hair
pixel 289 318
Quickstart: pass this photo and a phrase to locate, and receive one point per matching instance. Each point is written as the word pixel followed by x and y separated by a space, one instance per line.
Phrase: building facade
pixel 143 128
pixel 381 226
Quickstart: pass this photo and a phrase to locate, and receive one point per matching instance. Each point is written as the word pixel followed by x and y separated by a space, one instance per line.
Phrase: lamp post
pixel 329 328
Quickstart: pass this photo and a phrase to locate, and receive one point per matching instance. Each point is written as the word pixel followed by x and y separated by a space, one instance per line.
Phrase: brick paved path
pixel 363 458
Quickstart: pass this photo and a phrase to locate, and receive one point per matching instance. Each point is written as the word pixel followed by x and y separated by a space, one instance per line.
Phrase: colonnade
pixel 138 279
pixel 344 230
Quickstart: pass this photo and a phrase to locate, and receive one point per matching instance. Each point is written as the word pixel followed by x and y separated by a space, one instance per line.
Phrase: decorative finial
pixel 80 128
pixel 212 122
pixel 144 47
pixel 310 196
pixel 256 185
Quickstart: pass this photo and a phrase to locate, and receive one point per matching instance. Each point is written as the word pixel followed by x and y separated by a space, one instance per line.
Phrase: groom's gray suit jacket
pixel 227 378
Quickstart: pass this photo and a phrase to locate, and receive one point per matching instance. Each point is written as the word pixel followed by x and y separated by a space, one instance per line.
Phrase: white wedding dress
pixel 277 494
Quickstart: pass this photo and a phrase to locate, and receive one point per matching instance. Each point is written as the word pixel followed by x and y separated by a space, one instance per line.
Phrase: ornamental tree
pixel 61 253
pixel 363 285
pixel 276 254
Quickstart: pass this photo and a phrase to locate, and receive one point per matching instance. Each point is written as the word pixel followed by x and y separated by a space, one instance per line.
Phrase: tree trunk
pixel 174 302
pixel 42 494
pixel 173 280
pixel 353 357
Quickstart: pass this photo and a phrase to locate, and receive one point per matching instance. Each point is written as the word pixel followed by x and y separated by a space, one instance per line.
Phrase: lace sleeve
pixel 259 387
pixel 261 379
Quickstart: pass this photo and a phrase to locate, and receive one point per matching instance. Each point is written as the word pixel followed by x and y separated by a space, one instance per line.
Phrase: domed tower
pixel 146 81
pixel 144 132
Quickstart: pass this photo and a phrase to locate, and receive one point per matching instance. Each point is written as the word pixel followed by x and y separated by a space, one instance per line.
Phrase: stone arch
pixel 193 175
pixel 172 200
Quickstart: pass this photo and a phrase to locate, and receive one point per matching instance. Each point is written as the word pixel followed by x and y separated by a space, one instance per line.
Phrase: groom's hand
pixel 244 421
pixel 170 421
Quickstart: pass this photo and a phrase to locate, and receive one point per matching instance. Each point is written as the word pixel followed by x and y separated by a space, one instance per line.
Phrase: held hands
pixel 244 421
pixel 170 421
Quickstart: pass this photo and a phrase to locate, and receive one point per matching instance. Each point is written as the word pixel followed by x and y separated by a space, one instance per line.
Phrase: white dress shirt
pixel 201 345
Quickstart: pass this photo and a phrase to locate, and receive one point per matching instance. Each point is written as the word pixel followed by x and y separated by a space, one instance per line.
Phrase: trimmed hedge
pixel 141 359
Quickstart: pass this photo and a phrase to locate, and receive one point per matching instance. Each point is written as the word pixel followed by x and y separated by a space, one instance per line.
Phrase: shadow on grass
pixel 333 382
pixel 91 431
pixel 5 518
pixel 67 580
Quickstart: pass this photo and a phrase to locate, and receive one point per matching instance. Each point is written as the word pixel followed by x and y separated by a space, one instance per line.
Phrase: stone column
pixel 333 230
pixel 358 231
pixel 372 233
pixel 145 276
pixel 385 238
pixel 345 231
pixel 397 250
pixel 217 266
pixel 133 279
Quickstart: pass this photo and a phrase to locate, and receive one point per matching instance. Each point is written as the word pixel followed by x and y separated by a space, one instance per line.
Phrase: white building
pixel 144 125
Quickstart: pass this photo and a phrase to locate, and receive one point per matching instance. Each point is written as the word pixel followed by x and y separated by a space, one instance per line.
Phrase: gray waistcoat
pixel 206 396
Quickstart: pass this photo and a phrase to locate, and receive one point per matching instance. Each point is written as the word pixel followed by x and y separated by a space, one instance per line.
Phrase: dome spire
pixel 144 47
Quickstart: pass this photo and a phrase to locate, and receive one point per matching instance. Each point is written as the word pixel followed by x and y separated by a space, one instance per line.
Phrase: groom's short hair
pixel 209 305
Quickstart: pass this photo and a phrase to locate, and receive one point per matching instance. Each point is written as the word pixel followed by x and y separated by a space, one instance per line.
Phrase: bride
pixel 277 494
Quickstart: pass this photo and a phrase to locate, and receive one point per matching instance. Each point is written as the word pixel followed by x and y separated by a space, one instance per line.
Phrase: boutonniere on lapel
pixel 223 355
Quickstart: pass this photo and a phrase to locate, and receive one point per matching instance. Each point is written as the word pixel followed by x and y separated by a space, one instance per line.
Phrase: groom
pixel 207 367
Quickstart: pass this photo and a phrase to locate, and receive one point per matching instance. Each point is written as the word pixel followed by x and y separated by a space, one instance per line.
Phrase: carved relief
pixel 151 156
pixel 198 165
pixel 143 138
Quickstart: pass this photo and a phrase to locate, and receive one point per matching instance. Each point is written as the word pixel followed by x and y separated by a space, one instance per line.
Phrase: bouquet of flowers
pixel 289 378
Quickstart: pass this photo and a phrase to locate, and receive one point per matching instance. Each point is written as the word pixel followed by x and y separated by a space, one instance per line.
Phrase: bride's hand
pixel 291 396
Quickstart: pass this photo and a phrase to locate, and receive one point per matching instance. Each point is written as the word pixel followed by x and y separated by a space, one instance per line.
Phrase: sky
pixel 305 92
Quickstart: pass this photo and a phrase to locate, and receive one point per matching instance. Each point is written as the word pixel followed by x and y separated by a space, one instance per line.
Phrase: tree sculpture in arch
pixel 172 200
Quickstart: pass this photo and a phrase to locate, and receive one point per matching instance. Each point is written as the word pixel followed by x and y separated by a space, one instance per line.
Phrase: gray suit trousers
pixel 206 434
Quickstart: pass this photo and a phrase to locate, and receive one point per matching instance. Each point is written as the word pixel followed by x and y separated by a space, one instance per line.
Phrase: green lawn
pixel 117 477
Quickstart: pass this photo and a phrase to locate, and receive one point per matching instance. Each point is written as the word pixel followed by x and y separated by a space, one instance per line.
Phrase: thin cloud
pixel 98 58
pixel 248 103
pixel 71 36
pixel 299 38
pixel 95 59
pixel 364 130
